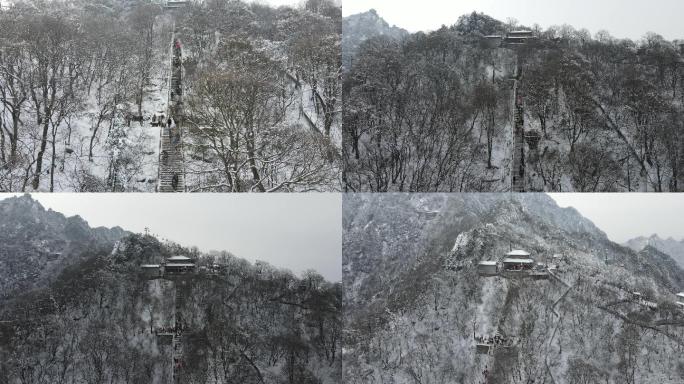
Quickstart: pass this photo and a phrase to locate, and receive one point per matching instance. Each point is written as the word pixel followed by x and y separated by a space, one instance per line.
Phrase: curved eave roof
pixel 179 265
pixel 517 252
pixel 518 261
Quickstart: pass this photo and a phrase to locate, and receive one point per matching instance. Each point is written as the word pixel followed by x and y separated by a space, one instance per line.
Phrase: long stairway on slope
pixel 518 167
pixel 171 166
pixel 179 364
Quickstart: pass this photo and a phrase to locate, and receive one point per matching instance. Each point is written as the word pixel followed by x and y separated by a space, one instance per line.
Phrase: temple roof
pixel 179 265
pixel 517 252
pixel 518 261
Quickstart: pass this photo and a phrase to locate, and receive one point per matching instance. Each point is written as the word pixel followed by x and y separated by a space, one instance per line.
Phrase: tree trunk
pixel 41 152
pixel 2 141
pixel 52 161
pixel 16 112
pixel 252 162
pixel 92 137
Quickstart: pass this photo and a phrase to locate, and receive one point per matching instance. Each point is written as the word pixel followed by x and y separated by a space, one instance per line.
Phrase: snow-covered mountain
pixel 432 111
pixel 670 246
pixel 36 244
pixel 362 26
pixel 79 294
pixel 414 300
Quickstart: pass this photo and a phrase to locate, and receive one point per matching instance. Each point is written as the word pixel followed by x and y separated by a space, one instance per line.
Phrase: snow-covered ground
pixel 140 141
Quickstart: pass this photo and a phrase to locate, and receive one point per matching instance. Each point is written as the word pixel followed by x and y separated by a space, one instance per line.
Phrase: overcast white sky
pixel 622 18
pixel 302 231
pixel 277 3
pixel 623 216
pixel 294 231
pixel 274 3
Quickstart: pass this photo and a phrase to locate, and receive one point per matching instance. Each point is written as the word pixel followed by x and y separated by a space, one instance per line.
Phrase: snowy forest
pixel 434 111
pixel 75 307
pixel 419 309
pixel 127 95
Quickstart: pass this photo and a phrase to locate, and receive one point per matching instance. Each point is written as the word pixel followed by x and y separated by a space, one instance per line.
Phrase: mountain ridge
pixel 414 310
pixel 362 26
pixel 670 246
pixel 80 293
pixel 37 243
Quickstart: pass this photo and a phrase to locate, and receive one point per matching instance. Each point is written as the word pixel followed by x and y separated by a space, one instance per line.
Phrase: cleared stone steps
pixel 518 180
pixel 173 163
pixel 172 166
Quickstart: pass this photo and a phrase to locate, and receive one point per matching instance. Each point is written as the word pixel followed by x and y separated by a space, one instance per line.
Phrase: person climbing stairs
pixel 171 166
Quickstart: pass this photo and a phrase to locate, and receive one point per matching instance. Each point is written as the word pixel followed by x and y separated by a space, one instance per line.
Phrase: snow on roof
pixel 178 258
pixel 150 266
pixel 518 261
pixel 517 252
pixel 179 265
pixel 680 294
pixel 487 262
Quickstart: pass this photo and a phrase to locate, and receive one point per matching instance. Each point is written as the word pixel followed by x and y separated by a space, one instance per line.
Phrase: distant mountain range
pixel 358 28
pixel 36 243
pixel 670 246
pixel 362 26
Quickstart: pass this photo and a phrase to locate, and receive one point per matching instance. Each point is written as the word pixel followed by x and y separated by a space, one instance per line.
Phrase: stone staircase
pixel 518 168
pixel 178 337
pixel 170 164
pixel 179 299
pixel 178 362
pixel 171 168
